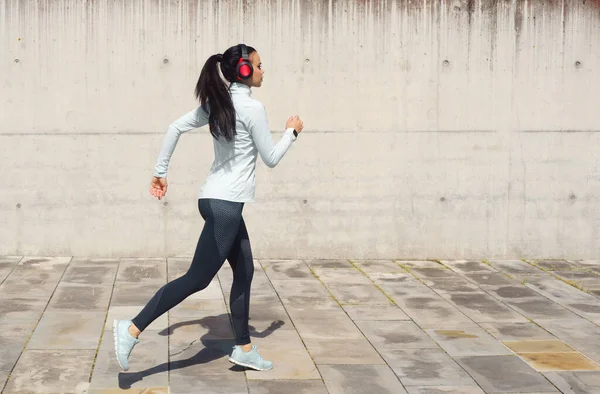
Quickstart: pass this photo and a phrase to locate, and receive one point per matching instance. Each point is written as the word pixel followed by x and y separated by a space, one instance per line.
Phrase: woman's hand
pixel 294 122
pixel 158 187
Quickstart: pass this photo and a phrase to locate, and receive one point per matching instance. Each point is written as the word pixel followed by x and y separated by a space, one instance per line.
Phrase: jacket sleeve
pixel 258 127
pixel 191 120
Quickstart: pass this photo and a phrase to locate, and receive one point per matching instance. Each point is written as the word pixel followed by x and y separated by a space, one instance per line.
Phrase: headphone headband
pixel 244 68
pixel 244 51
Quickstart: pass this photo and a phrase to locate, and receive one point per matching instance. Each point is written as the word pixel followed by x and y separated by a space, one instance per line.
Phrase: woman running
pixel 238 124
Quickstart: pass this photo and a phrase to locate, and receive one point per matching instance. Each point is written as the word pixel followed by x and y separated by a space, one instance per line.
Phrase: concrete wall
pixel 434 129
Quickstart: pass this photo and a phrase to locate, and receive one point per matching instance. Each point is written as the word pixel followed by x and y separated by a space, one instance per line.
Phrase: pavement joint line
pixel 353 322
pixel 425 332
pixel 559 278
pixel 508 306
pixel 112 290
pixel 478 325
pixel 36 324
pixel 394 302
pixel 12 269
pixel 551 272
pixel 292 320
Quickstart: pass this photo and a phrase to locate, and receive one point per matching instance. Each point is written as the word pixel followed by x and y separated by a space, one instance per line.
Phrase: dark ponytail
pixel 211 89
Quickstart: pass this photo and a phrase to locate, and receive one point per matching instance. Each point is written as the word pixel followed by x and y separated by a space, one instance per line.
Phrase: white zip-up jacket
pixel 232 176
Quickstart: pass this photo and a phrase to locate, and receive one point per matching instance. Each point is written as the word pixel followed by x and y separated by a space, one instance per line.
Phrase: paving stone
pixel 212 292
pixel 587 310
pixel 581 382
pixel 108 261
pixel 447 286
pixel 308 287
pixel 51 371
pixel 554 265
pixel 419 264
pixel 580 334
pixel 21 309
pixel 45 264
pixel 482 307
pixel 345 276
pixel 342 328
pixel 13 336
pixel 428 273
pixel 484 369
pixel 6 267
pixel 467 266
pixel 538 346
pixel 287 365
pixel 432 311
pixel 395 335
pixel 358 294
pixel 287 386
pixel 284 270
pixel 150 390
pixel 80 297
pixel 392 278
pixel 203 357
pixel 299 301
pixel 147 364
pixel 28 288
pixel 342 351
pixel 68 330
pixel 288 354
pixel 444 389
pixel 263 315
pixel 347 379
pixel 127 295
pixel 10 259
pixel 142 271
pixel 516 267
pixel 579 277
pixel 194 307
pixel 433 367
pixel 559 361
pixel 183 382
pixel 317 312
pixel 541 308
pixel 516 331
pixel 129 312
pixel 471 341
pixel 375 312
pixel 316 264
pixel 279 338
pixel 558 291
pixel 378 266
pixel 35 278
pixel 490 279
pixel 183 331
pixel 91 274
pixel 585 263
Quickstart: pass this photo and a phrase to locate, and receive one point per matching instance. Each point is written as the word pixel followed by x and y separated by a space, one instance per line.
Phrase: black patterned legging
pixel 224 236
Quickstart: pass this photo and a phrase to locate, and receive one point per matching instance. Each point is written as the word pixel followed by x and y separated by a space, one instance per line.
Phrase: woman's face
pixel 258 73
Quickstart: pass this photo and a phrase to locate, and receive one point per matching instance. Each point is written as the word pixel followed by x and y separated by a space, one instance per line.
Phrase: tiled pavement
pixel 329 326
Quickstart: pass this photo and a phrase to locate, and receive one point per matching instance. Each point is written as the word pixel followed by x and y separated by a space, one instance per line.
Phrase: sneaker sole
pixel 116 344
pixel 248 365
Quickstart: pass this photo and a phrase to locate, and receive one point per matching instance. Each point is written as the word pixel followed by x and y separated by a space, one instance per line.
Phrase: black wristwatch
pixel 295 133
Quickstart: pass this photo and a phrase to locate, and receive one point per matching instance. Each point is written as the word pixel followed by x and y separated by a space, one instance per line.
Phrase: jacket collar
pixel 240 88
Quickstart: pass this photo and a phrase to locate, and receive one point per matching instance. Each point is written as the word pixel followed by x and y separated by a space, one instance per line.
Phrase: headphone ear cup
pixel 244 69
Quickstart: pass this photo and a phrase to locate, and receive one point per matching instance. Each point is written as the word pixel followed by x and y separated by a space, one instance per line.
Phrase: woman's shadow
pixel 213 349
